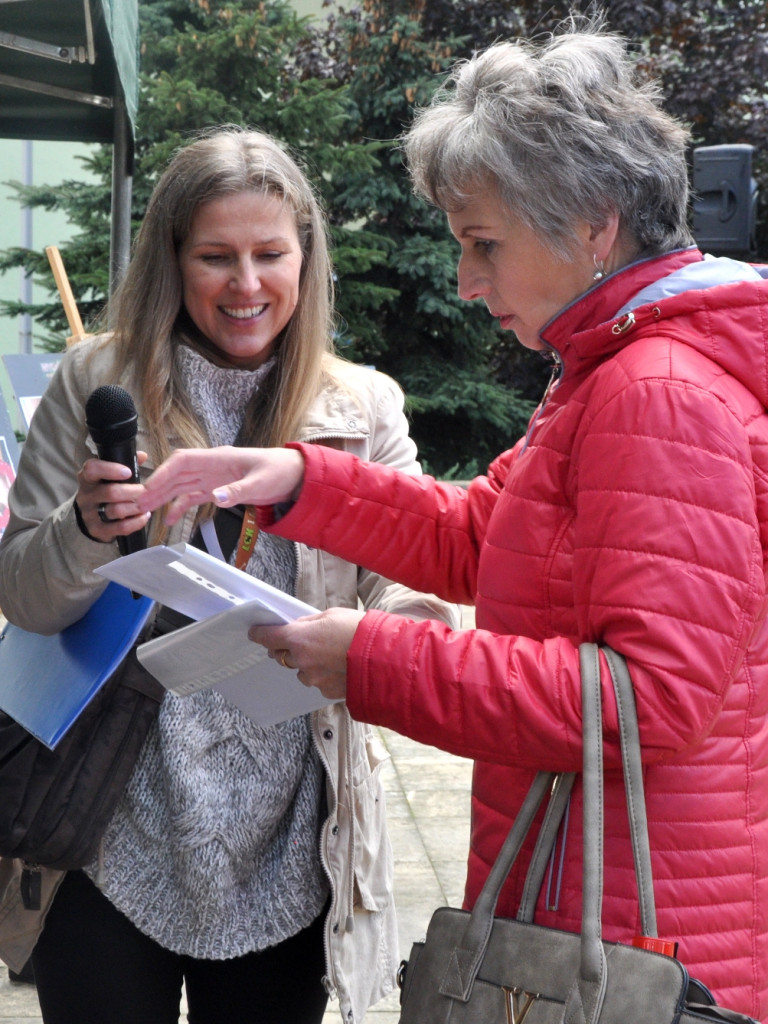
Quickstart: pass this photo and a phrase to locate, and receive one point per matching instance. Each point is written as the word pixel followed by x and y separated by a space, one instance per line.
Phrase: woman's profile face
pixel 504 263
pixel 240 268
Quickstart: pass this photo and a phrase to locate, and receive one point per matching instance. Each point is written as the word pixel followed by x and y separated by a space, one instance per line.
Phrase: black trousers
pixel 92 966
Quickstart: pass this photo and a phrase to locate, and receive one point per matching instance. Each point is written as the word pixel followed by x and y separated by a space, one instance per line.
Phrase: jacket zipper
pixel 553 898
pixel 555 377
pixel 328 980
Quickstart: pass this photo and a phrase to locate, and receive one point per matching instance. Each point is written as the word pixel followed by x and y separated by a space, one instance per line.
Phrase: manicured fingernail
pixel 220 495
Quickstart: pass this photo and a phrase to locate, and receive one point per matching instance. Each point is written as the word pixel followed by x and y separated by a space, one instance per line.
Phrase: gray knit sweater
pixel 214 848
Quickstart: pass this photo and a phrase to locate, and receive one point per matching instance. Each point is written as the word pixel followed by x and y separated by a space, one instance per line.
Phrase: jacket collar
pixel 590 328
pixel 719 308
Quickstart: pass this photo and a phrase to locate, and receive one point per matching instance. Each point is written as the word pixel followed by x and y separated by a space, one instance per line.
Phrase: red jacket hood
pixel 712 300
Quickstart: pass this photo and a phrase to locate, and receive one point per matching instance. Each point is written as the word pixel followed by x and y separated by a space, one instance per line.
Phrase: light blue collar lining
pixel 707 273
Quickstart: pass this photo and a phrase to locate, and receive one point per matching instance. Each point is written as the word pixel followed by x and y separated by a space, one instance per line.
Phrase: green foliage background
pixel 339 92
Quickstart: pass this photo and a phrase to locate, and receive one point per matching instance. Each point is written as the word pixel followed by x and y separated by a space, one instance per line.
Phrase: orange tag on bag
pixel 665 946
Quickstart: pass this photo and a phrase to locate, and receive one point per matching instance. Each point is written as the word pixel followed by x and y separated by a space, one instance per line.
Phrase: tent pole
pixel 122 182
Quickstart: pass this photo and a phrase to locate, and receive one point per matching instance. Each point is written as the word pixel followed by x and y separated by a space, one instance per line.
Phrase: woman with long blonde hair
pixel 251 864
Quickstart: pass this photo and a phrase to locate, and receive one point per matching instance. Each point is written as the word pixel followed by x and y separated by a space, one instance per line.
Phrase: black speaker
pixel 724 200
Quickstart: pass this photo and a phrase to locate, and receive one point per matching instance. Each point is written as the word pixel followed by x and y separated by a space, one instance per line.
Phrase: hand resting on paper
pixel 316 645
pixel 226 475
pixel 107 505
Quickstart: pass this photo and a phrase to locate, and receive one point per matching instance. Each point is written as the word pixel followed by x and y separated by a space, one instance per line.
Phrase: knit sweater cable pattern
pixel 214 849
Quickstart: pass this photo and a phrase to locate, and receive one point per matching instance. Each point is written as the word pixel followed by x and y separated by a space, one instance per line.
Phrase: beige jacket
pixel 47 582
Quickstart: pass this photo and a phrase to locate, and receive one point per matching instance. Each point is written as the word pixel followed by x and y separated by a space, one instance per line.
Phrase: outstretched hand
pixel 226 476
pixel 316 645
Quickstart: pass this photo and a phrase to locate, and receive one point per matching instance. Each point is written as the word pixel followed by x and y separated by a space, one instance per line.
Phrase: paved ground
pixel 428 802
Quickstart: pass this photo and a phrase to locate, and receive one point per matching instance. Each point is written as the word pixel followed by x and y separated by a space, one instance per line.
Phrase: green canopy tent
pixel 69 72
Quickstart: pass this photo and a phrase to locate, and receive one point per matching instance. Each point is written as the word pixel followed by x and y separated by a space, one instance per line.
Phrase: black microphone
pixel 111 418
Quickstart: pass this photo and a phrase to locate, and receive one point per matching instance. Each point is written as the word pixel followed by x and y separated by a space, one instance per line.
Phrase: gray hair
pixel 563 130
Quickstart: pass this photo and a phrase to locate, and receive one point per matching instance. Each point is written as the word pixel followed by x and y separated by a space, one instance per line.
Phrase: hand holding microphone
pixel 111 418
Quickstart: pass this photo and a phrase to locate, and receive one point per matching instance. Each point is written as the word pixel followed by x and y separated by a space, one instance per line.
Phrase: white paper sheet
pixel 215 652
pixel 195 583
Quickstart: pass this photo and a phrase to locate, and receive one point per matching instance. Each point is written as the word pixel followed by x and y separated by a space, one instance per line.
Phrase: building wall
pixel 51 164
pixel 45 163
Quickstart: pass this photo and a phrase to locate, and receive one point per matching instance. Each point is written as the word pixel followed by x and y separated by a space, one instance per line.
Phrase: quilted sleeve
pixel 412 529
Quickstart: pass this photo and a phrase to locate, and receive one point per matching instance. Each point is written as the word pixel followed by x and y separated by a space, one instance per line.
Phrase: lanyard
pixel 248 534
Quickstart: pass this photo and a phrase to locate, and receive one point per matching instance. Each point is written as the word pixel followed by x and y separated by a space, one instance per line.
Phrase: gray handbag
pixel 474 968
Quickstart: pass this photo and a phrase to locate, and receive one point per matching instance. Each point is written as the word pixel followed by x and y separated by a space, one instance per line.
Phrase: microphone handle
pixel 124 452
pixel 136 541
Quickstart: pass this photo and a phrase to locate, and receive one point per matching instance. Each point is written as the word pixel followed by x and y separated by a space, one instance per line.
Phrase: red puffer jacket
pixel 634 513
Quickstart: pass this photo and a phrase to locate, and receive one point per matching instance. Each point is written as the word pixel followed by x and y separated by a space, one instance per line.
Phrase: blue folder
pixel 46 681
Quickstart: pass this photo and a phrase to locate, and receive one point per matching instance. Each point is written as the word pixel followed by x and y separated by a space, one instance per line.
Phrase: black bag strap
pixel 133 676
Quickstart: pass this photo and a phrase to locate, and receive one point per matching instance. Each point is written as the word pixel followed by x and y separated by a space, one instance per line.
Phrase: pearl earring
pixel 599 273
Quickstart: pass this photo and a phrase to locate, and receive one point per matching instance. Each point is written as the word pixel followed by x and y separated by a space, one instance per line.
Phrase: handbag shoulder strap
pixel 586 997
pixel 629 735
pixel 585 1000
pixel 466 958
pixel 633 786
pixel 635 797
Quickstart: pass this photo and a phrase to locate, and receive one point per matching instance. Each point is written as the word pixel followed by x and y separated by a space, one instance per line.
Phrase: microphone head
pixel 110 415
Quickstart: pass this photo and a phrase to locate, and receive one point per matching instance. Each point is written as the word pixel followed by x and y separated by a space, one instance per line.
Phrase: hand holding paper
pixel 317 646
pixel 215 651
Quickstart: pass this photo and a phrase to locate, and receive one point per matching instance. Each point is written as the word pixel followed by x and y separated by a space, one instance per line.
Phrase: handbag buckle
pixel 516 1013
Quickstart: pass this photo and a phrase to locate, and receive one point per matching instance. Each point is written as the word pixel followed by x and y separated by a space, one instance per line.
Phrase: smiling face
pixel 240 269
pixel 504 263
